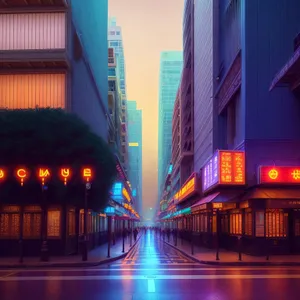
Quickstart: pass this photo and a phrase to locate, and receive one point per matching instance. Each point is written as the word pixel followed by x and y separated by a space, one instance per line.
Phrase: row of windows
pixel 271 224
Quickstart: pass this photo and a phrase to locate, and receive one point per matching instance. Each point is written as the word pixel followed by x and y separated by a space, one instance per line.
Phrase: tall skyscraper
pixel 115 41
pixel 170 73
pixel 135 146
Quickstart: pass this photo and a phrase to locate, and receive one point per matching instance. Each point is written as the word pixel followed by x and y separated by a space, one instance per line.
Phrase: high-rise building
pixel 62 64
pixel 169 77
pixel 115 41
pixel 135 147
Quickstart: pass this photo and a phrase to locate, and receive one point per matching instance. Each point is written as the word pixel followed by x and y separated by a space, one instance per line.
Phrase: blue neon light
pixel 117 191
pixel 134 193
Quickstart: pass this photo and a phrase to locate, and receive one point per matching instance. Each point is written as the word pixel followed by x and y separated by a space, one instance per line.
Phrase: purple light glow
pixel 210 171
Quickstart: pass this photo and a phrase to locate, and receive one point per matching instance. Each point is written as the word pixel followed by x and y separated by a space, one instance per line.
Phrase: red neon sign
pixel 283 175
pixel 21 174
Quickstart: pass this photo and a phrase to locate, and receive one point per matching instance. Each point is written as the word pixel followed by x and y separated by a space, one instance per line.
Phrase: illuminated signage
pixel 125 194
pixel 87 173
pixel 134 192
pixel 21 174
pixel 211 172
pixel 109 211
pixel 170 169
pixel 43 174
pixel 186 190
pixel 117 191
pixel 226 167
pixel 133 144
pixel 282 175
pixel 65 174
pixel 232 167
pixel 2 174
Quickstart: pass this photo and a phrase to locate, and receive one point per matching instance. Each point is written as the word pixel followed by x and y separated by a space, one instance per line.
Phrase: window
pixel 236 224
pixel 248 223
pixel 214 224
pixel 118 32
pixel 32 222
pixel 53 223
pixel 260 224
pixel 276 223
pixel 10 222
pixel 71 222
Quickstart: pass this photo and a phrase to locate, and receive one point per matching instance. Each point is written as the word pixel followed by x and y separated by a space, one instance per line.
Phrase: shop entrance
pixel 294 230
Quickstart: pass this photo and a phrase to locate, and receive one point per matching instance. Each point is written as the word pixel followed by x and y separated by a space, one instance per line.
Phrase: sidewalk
pixel 229 258
pixel 97 256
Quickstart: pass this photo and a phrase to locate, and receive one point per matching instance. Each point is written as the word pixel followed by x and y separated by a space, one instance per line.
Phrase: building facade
pixel 169 79
pixel 247 106
pixel 135 152
pixel 115 41
pixel 39 47
pixel 51 58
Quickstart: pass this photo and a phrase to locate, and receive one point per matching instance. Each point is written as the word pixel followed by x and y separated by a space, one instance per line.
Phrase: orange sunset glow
pixel 148 27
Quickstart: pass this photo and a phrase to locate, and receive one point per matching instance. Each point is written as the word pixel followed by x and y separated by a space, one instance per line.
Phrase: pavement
pixel 228 258
pixel 96 257
pixel 152 270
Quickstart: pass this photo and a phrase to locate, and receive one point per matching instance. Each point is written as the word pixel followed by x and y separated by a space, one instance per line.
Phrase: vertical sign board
pixel 224 168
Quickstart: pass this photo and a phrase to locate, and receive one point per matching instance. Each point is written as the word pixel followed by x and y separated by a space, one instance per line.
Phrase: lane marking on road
pixel 151 286
pixel 158 277
pixel 121 269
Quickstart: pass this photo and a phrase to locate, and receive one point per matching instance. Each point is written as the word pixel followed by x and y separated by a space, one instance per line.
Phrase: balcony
pixel 6 5
pixel 27 41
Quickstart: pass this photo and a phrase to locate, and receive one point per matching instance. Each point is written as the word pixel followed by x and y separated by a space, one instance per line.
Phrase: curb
pixel 69 265
pixel 235 263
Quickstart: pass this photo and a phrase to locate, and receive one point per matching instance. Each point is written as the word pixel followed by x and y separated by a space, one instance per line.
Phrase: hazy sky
pixel 148 27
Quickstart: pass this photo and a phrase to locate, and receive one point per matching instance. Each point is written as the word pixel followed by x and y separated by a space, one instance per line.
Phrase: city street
pixel 153 270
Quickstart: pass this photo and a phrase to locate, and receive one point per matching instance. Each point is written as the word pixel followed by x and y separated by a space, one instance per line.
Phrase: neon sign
pixel 226 167
pixel 275 174
pixel 187 189
pixel 87 174
pixel 2 174
pixel 125 194
pixel 43 174
pixel 65 174
pixel 21 175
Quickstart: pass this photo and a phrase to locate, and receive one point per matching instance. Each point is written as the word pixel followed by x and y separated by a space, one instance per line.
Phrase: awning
pixel 218 198
pixel 272 193
pixel 290 73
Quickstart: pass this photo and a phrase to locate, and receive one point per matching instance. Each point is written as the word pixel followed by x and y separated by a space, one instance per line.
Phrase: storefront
pixel 272 212
pixel 216 216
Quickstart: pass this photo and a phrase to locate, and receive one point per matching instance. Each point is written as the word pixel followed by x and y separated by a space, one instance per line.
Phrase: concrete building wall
pixel 203 82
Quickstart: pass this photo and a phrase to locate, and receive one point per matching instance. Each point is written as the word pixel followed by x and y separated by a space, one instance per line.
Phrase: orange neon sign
pixel 87 173
pixel 44 173
pixel 65 173
pixel 125 194
pixel 232 167
pixel 283 175
pixel 21 174
pixel 186 190
pixel 2 174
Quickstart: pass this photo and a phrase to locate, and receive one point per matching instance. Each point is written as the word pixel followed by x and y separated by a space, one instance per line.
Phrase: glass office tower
pixel 169 78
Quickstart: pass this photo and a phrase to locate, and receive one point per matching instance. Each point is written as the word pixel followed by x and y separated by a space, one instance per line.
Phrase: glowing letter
pixel 43 173
pixel 21 173
pixel 87 173
pixel 296 174
pixel 1 174
pixel 65 174
pixel 273 174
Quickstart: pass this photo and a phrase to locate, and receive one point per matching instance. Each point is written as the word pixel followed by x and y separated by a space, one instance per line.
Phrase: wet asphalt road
pixel 152 270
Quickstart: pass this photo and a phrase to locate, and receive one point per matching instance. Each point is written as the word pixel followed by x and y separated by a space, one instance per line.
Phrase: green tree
pixel 53 138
